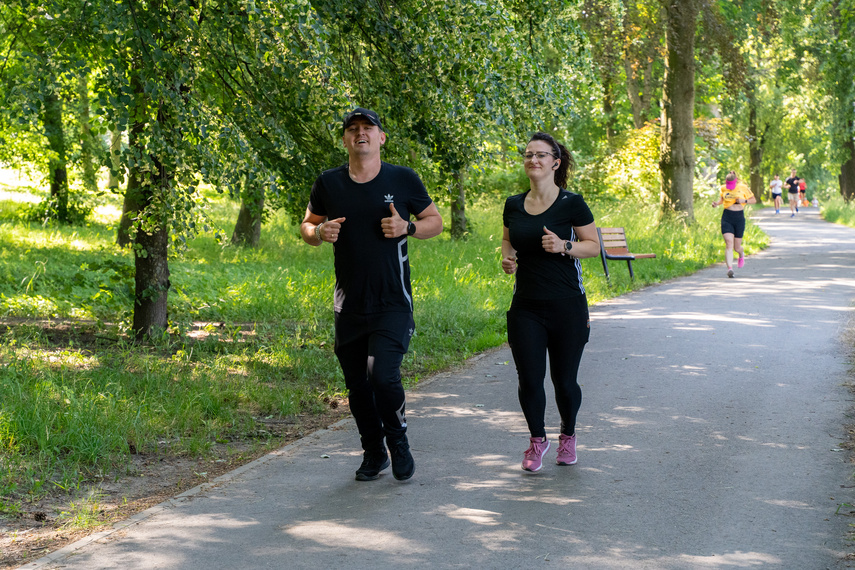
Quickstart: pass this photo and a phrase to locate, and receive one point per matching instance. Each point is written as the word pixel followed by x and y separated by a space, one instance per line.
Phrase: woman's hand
pixel 509 264
pixel 551 242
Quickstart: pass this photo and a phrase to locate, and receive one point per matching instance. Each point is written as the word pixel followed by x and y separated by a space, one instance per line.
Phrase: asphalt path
pixel 709 437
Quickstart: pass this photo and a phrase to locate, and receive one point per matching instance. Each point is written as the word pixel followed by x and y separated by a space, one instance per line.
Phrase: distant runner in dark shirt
pixel 793 191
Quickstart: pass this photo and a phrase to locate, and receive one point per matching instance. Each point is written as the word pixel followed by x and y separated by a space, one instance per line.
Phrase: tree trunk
pixel 755 147
pixel 633 91
pixel 150 250
pixel 641 36
pixel 248 226
pixel 133 201
pixel 458 207
pixel 677 153
pixel 52 121
pixel 609 109
pixel 639 87
pixel 115 163
pixel 87 142
pixel 151 280
pixel 131 206
pixel 847 170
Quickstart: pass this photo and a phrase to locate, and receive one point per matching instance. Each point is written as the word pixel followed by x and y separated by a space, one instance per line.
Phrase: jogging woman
pixel 734 196
pixel 777 194
pixel 547 230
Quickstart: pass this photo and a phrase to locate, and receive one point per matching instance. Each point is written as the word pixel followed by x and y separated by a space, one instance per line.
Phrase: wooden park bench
pixel 613 246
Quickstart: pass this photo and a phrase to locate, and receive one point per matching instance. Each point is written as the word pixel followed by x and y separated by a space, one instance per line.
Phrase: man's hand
pixel 330 229
pixel 394 226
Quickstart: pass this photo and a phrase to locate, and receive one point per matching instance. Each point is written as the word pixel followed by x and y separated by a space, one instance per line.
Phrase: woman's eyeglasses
pixel 540 155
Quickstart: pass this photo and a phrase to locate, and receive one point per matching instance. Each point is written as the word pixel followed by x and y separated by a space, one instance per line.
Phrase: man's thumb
pixel 392 208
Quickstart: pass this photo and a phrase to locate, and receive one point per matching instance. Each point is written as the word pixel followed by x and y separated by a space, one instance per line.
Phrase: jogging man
pixel 793 191
pixel 363 208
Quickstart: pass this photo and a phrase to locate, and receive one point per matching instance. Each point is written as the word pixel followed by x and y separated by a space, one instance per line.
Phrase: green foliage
pixel 46 211
pixel 42 68
pixel 447 77
pixel 831 37
pixel 628 169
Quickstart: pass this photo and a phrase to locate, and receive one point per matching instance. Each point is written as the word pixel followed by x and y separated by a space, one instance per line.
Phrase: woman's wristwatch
pixel 568 245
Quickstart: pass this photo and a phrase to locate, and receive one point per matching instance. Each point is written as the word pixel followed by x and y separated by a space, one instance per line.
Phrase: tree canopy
pixel 247 96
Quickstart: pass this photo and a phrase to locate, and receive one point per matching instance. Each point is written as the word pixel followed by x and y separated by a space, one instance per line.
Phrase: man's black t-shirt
pixel 542 275
pixel 793 184
pixel 372 272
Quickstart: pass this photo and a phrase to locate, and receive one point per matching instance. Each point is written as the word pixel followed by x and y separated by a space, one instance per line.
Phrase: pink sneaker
pixel 534 454
pixel 566 450
pixel 741 262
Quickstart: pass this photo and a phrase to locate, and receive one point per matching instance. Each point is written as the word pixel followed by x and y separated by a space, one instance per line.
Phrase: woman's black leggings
pixel 559 329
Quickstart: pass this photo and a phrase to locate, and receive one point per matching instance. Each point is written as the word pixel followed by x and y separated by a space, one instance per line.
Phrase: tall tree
pixel 833 32
pixel 677 154
pixel 42 64
pixel 603 26
pixel 51 115
pixel 642 27
pixel 88 144
pixel 741 38
pixel 216 92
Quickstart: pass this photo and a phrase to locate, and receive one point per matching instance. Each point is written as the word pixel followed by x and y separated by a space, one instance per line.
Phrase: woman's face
pixel 535 167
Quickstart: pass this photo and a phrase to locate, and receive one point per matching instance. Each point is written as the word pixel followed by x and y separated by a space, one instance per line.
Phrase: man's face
pixel 362 138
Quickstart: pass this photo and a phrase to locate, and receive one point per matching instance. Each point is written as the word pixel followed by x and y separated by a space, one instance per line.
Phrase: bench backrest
pixel 614 240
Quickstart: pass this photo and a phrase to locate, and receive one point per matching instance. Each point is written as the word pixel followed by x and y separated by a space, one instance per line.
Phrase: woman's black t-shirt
pixel 372 272
pixel 541 275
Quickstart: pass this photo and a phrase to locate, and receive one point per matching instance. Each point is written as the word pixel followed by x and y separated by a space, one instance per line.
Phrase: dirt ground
pixel 149 480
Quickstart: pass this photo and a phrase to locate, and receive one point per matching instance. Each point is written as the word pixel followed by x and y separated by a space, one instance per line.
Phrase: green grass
pixel 834 209
pixel 73 410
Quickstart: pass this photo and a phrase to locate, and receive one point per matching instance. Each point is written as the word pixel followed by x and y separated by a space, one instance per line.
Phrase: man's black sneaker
pixel 373 462
pixel 403 465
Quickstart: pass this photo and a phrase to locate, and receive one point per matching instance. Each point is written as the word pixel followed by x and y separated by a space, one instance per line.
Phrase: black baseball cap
pixel 367 114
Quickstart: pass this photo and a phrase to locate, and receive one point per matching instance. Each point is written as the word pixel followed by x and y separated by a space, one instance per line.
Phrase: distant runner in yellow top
pixel 734 196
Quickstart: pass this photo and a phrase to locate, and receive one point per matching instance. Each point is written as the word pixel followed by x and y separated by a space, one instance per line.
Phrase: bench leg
pixel 605 267
pixel 629 264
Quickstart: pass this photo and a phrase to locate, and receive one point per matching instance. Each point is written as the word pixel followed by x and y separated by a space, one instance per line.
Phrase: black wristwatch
pixel 568 245
pixel 411 228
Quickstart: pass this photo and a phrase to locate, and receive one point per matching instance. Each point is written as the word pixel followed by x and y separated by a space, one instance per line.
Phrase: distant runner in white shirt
pixel 777 196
